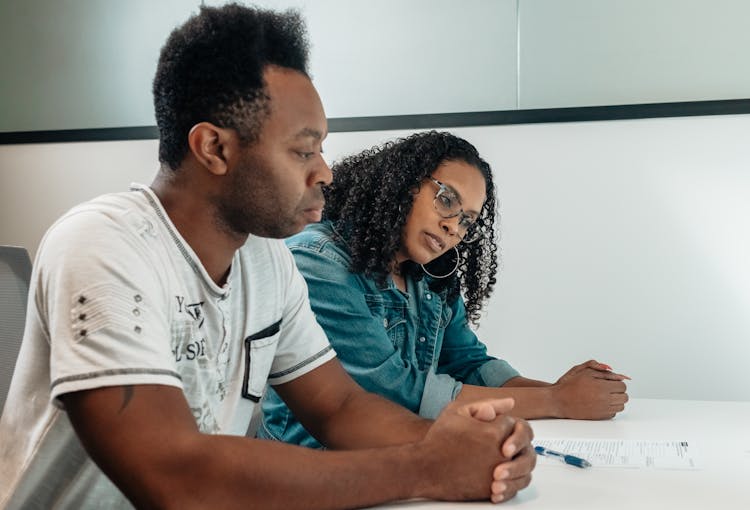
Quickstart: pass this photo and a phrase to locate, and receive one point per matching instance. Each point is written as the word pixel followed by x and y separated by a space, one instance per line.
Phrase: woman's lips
pixel 435 243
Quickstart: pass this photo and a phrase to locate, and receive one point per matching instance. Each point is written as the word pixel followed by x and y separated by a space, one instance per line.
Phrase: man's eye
pixel 305 155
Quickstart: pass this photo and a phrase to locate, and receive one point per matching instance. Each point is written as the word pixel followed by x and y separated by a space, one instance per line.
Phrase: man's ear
pixel 212 146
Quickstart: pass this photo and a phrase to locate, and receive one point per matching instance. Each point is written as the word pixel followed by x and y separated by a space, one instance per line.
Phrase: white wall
pixel 626 241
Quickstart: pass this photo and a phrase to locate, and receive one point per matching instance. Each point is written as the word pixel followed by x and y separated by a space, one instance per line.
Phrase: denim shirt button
pixel 428 296
pixel 421 339
pixel 385 323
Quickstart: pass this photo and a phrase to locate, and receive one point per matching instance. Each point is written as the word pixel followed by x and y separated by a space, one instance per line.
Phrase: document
pixel 626 453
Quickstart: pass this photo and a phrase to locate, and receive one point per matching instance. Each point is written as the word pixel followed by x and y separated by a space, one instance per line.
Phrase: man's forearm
pixel 342 415
pixel 233 472
pixel 388 424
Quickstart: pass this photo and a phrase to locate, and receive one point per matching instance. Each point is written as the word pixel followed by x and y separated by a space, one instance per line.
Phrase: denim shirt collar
pixel 422 284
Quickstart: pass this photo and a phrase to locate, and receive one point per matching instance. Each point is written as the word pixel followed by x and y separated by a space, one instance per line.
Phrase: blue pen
pixel 568 459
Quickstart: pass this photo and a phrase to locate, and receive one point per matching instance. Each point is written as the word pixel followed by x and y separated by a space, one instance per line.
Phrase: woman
pixel 403 260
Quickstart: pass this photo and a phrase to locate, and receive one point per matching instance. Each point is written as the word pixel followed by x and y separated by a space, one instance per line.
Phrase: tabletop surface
pixel 718 434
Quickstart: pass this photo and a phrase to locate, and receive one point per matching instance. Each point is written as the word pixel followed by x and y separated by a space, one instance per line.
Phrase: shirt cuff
pixel 439 391
pixel 493 374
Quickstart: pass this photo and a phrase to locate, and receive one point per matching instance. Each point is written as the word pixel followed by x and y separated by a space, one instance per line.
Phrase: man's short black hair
pixel 211 69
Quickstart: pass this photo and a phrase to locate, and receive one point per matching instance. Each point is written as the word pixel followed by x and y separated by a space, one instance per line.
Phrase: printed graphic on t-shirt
pixel 194 310
pixel 201 361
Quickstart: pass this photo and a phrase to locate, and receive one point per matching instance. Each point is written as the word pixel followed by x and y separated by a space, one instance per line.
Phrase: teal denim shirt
pixel 413 348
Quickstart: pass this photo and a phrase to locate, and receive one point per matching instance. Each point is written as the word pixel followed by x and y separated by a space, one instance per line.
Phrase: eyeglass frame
pixel 444 188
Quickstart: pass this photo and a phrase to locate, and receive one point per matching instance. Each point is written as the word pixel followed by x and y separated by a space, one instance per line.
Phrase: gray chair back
pixel 15 273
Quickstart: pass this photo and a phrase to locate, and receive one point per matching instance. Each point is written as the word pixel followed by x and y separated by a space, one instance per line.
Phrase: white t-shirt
pixel 118 297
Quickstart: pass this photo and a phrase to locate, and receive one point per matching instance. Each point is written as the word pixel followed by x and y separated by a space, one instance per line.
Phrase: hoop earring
pixel 457 258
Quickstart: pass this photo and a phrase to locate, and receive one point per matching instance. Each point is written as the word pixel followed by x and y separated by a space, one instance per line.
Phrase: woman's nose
pixel 450 225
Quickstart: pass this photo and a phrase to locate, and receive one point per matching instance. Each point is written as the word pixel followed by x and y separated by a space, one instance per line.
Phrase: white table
pixel 719 432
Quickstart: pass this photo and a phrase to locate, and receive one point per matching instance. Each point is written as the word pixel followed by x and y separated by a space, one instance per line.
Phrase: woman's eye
pixel 446 201
pixel 466 223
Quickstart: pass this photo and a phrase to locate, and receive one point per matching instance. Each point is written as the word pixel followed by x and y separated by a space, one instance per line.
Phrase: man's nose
pixel 322 174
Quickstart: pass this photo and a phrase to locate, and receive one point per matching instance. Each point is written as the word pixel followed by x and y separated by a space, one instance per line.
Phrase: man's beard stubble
pixel 250 205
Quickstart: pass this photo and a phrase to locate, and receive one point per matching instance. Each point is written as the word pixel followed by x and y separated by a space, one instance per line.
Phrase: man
pixel 157 316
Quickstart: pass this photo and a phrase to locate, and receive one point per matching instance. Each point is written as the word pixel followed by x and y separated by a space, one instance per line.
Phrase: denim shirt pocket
pixel 392 316
pixel 445 316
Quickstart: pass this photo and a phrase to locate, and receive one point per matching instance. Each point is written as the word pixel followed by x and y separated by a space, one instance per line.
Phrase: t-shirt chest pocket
pixel 260 349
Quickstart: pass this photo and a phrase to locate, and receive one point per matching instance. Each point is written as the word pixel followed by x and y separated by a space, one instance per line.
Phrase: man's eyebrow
pixel 309 133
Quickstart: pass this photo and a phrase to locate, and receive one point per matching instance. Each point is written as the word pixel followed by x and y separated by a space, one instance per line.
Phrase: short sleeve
pixel 99 302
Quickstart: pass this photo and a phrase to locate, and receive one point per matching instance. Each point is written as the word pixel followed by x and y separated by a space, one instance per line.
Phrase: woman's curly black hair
pixel 372 194
pixel 211 70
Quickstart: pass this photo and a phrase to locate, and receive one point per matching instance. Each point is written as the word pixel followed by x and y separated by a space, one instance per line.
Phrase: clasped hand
pixel 479 451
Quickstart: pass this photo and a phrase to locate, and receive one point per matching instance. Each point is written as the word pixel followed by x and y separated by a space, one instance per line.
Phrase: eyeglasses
pixel 448 205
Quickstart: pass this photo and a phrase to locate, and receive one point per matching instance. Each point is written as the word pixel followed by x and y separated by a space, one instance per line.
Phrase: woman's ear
pixel 212 146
